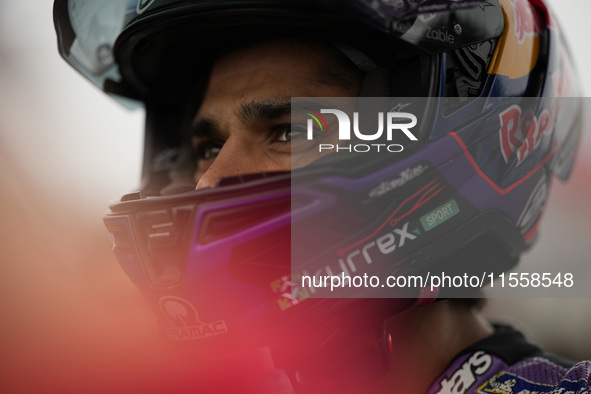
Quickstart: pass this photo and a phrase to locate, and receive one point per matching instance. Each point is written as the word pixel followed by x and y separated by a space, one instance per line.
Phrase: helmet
pixel 485 78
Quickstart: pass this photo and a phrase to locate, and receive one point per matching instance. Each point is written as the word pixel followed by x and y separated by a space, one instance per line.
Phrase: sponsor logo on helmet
pixel 522 133
pixel 440 215
pixel 357 257
pixel 527 22
pixel 401 179
pixel 283 287
pixel 440 35
pixel 395 122
pixel 143 5
pixel 467 374
pixel 184 321
pixel 518 51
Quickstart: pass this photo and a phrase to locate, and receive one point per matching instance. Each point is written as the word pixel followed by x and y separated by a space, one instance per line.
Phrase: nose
pixel 236 157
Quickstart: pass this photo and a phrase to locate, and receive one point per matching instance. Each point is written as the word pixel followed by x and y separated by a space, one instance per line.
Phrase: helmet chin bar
pixel 329 342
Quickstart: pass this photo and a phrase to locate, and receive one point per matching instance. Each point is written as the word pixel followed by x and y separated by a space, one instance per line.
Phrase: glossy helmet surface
pixel 214 263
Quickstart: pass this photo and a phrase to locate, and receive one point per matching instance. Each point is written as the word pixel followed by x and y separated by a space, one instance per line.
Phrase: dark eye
pixel 208 150
pixel 289 134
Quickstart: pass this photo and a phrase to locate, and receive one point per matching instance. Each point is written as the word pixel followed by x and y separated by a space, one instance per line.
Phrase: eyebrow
pixel 254 112
pixel 204 128
pixel 261 111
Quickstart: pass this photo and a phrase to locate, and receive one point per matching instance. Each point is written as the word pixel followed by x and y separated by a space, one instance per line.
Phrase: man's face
pixel 243 125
